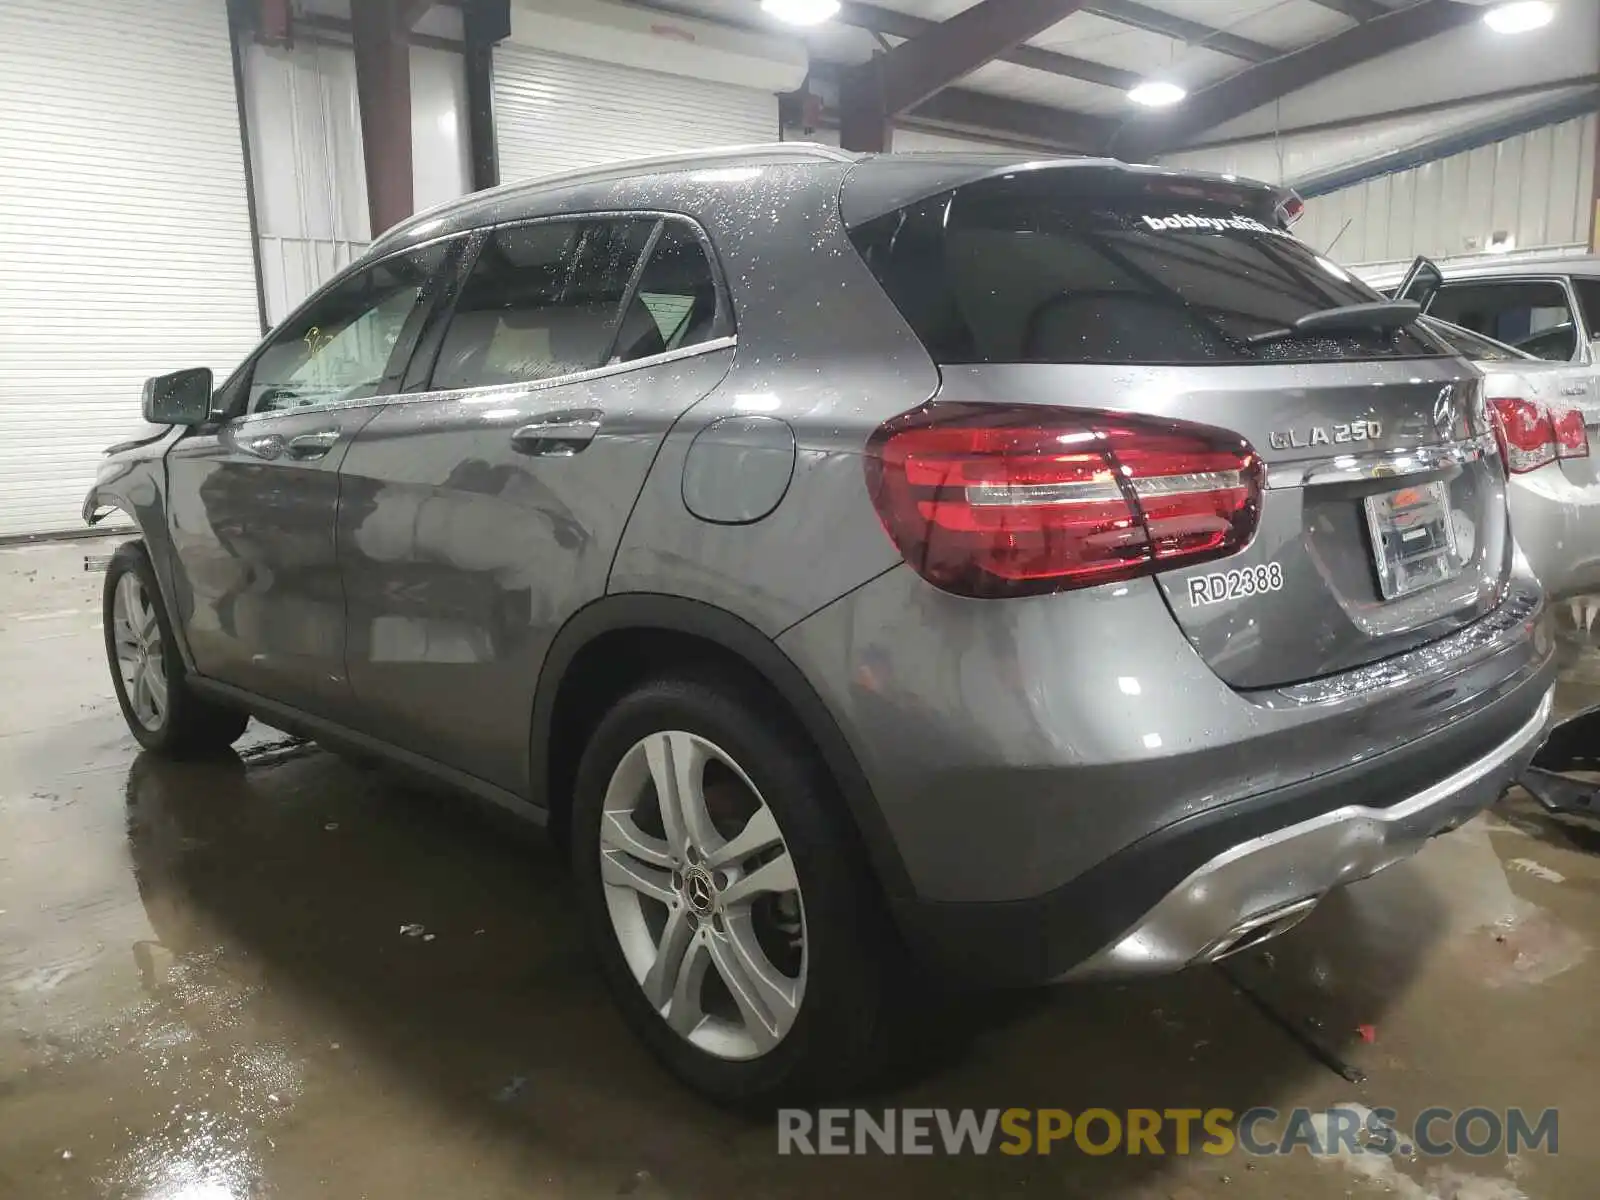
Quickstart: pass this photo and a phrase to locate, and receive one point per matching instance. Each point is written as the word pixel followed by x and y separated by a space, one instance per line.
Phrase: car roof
pixel 1560 263
pixel 663 175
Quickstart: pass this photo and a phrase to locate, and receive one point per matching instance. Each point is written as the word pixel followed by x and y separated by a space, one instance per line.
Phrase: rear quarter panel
pixel 821 349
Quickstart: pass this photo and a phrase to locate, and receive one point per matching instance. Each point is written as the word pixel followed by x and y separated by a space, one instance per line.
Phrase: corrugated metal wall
pixel 555 113
pixel 124 231
pixel 1534 189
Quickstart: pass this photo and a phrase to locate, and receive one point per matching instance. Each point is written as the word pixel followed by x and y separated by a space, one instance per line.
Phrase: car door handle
pixel 309 446
pixel 558 435
pixel 267 445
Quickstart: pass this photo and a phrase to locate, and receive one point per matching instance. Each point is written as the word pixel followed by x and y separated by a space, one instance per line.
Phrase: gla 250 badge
pixel 1325 435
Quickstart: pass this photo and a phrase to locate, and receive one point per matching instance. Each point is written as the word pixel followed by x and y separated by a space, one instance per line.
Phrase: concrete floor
pixel 204 994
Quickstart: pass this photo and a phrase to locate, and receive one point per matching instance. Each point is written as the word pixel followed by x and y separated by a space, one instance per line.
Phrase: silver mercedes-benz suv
pixel 1052 568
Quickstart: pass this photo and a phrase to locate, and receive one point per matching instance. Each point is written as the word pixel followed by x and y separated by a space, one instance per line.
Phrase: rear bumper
pixel 1200 887
pixel 1557 524
pixel 1048 770
pixel 1263 885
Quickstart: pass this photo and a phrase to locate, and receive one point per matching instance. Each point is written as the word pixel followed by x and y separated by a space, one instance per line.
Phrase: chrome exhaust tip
pixel 1262 927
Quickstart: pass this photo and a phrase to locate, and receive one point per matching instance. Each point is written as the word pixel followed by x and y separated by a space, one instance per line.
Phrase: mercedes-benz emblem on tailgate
pixel 1444 410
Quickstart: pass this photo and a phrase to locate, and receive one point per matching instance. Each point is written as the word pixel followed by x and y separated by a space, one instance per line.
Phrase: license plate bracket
pixel 1413 538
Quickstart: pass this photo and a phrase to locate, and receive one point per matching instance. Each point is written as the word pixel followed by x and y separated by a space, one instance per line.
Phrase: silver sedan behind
pixel 1542 411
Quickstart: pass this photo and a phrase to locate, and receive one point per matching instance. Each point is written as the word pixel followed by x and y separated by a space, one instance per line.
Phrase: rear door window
pixel 1531 315
pixel 543 301
pixel 1589 301
pixel 1083 266
pixel 675 305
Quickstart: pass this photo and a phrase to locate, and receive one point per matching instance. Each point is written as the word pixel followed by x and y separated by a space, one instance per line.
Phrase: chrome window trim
pixel 489 391
pixel 1385 464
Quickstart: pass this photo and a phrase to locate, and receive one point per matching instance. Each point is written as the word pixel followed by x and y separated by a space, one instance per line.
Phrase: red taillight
pixel 1290 209
pixel 1572 439
pixel 1525 432
pixel 1008 500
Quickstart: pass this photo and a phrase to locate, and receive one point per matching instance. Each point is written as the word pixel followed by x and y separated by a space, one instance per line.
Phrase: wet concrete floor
pixel 206 994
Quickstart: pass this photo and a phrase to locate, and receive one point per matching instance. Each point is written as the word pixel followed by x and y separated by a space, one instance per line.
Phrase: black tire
pixel 836 1042
pixel 189 726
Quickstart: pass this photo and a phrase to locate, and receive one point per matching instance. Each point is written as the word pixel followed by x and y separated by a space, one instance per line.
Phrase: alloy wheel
pixel 137 635
pixel 703 896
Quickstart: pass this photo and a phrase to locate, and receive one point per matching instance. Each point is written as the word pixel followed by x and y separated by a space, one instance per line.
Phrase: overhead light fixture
pixel 801 12
pixel 1519 16
pixel 1156 93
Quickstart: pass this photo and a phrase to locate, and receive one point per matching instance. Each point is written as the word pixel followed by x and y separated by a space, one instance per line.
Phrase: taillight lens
pixel 1526 435
pixel 1008 500
pixel 1572 439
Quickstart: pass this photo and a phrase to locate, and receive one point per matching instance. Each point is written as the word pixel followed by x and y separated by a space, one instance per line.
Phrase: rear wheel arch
pixel 621 640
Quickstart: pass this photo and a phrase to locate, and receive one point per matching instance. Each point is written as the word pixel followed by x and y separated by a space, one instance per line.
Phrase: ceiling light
pixel 1156 93
pixel 801 12
pixel 1519 16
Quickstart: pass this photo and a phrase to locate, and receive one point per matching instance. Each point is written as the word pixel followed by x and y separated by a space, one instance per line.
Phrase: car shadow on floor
pixel 448 945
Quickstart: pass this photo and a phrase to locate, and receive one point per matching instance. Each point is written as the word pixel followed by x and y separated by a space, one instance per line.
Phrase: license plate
pixel 1413 538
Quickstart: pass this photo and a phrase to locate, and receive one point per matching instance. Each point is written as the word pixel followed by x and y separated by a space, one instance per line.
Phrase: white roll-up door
pixel 553 112
pixel 124 231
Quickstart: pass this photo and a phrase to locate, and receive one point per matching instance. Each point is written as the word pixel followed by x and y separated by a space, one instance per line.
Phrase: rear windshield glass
pixel 1045 268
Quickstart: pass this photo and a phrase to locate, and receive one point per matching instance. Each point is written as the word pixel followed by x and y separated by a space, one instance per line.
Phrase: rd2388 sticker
pixel 1217 586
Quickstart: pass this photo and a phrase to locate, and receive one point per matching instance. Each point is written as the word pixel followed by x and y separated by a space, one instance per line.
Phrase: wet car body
pixel 1045 780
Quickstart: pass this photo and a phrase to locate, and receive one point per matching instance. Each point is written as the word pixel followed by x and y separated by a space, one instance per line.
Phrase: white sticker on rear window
pixel 1217 587
pixel 1190 221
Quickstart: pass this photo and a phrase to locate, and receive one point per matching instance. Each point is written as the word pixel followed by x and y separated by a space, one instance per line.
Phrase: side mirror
pixel 1422 283
pixel 179 398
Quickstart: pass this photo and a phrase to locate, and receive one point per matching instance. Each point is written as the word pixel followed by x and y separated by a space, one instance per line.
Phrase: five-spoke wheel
pixel 136 634
pixel 163 712
pixel 702 895
pixel 726 892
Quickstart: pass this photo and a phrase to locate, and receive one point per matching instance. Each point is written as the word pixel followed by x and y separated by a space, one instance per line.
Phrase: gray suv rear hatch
pixel 1100 295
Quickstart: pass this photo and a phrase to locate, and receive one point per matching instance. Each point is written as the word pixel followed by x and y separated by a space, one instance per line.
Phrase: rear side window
pixel 542 301
pixel 675 305
pixel 1530 315
pixel 1589 300
pixel 1035 268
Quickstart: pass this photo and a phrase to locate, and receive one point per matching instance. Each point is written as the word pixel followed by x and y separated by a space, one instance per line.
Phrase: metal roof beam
pixel 1153 20
pixel 916 69
pixel 966 112
pixel 962 111
pixel 1495 128
pixel 1143 137
pixel 902 25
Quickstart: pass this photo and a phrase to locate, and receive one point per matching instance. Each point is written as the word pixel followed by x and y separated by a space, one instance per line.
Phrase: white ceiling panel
pixel 1056 91
pixel 1115 45
pixel 1286 24
pixel 934 10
